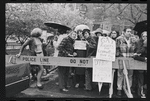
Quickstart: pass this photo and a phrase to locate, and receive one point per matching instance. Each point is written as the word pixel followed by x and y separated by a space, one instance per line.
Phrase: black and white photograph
pixel 76 50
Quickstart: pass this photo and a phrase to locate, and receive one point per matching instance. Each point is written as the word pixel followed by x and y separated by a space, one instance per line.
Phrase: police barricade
pixel 78 62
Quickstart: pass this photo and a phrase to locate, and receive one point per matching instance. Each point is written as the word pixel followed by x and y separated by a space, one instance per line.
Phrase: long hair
pixel 116 32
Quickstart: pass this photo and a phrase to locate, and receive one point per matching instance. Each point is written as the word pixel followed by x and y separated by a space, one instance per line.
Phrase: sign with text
pixel 60 61
pixel 71 62
pixel 81 45
pixel 106 49
pixel 102 71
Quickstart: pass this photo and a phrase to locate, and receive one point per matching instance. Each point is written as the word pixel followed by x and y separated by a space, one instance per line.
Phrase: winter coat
pixel 66 47
pixel 122 48
pixel 91 48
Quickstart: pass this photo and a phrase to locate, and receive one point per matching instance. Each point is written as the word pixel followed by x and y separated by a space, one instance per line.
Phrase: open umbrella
pixel 61 28
pixel 81 27
pixel 140 27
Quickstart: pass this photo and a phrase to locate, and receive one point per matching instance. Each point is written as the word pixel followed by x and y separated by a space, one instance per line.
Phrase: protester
pixel 114 34
pixel 91 48
pixel 66 49
pixel 57 40
pixel 141 55
pixel 80 72
pixel 55 44
pixel 35 46
pixel 124 48
pixel 49 47
pixel 97 34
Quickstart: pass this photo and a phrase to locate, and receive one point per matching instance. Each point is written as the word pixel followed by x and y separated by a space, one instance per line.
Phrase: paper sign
pixel 81 45
pixel 102 71
pixel 106 49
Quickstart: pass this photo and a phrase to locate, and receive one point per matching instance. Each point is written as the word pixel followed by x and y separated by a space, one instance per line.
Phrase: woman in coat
pixel 80 72
pixel 66 49
pixel 141 55
pixel 91 48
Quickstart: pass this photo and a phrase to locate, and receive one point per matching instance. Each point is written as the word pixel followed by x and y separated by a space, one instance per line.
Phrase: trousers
pixel 121 75
pixel 63 73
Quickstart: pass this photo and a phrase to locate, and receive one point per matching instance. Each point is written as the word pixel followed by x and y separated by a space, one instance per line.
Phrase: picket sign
pixel 80 62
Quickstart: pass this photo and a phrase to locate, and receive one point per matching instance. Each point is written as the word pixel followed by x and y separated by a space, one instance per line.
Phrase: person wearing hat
pixel 35 46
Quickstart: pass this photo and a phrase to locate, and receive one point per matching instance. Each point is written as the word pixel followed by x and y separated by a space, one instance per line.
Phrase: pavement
pixel 51 90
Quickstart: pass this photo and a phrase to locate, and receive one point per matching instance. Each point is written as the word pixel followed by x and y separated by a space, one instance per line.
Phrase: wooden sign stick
pixel 128 93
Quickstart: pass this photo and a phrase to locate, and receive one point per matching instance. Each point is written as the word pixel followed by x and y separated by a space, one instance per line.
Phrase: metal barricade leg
pixel 128 93
pixel 111 85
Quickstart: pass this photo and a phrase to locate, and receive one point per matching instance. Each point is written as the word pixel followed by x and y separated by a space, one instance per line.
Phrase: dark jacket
pixel 141 49
pixel 66 47
pixel 91 48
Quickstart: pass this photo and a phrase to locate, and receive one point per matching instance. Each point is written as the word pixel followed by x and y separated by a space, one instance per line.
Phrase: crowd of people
pixel 127 45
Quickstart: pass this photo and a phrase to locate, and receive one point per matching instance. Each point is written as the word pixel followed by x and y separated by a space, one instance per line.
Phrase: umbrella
pixel 81 27
pixel 61 28
pixel 140 27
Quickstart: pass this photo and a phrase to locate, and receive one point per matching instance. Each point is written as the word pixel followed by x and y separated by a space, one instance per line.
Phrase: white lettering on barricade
pixel 81 45
pixel 106 49
pixel 75 62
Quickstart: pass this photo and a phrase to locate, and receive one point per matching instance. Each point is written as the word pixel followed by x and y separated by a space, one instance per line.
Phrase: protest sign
pixel 81 45
pixel 102 71
pixel 106 49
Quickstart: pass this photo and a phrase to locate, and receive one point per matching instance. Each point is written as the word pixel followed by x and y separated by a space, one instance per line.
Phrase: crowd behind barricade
pixel 128 44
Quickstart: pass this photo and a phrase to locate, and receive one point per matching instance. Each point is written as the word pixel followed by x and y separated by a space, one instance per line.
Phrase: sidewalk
pixel 51 90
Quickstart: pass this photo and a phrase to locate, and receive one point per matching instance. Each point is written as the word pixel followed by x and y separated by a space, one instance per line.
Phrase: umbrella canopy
pixel 81 27
pixel 61 28
pixel 140 27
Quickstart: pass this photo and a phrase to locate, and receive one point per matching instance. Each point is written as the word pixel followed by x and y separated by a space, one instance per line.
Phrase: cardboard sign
pixel 102 71
pixel 106 49
pixel 81 45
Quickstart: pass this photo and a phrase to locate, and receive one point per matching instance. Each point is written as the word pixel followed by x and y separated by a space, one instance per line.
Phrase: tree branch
pixel 139 9
pixel 139 17
pixel 132 15
pixel 121 11
pixel 129 20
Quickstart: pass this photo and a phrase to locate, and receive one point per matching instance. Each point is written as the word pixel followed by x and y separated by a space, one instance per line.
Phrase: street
pixel 51 90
